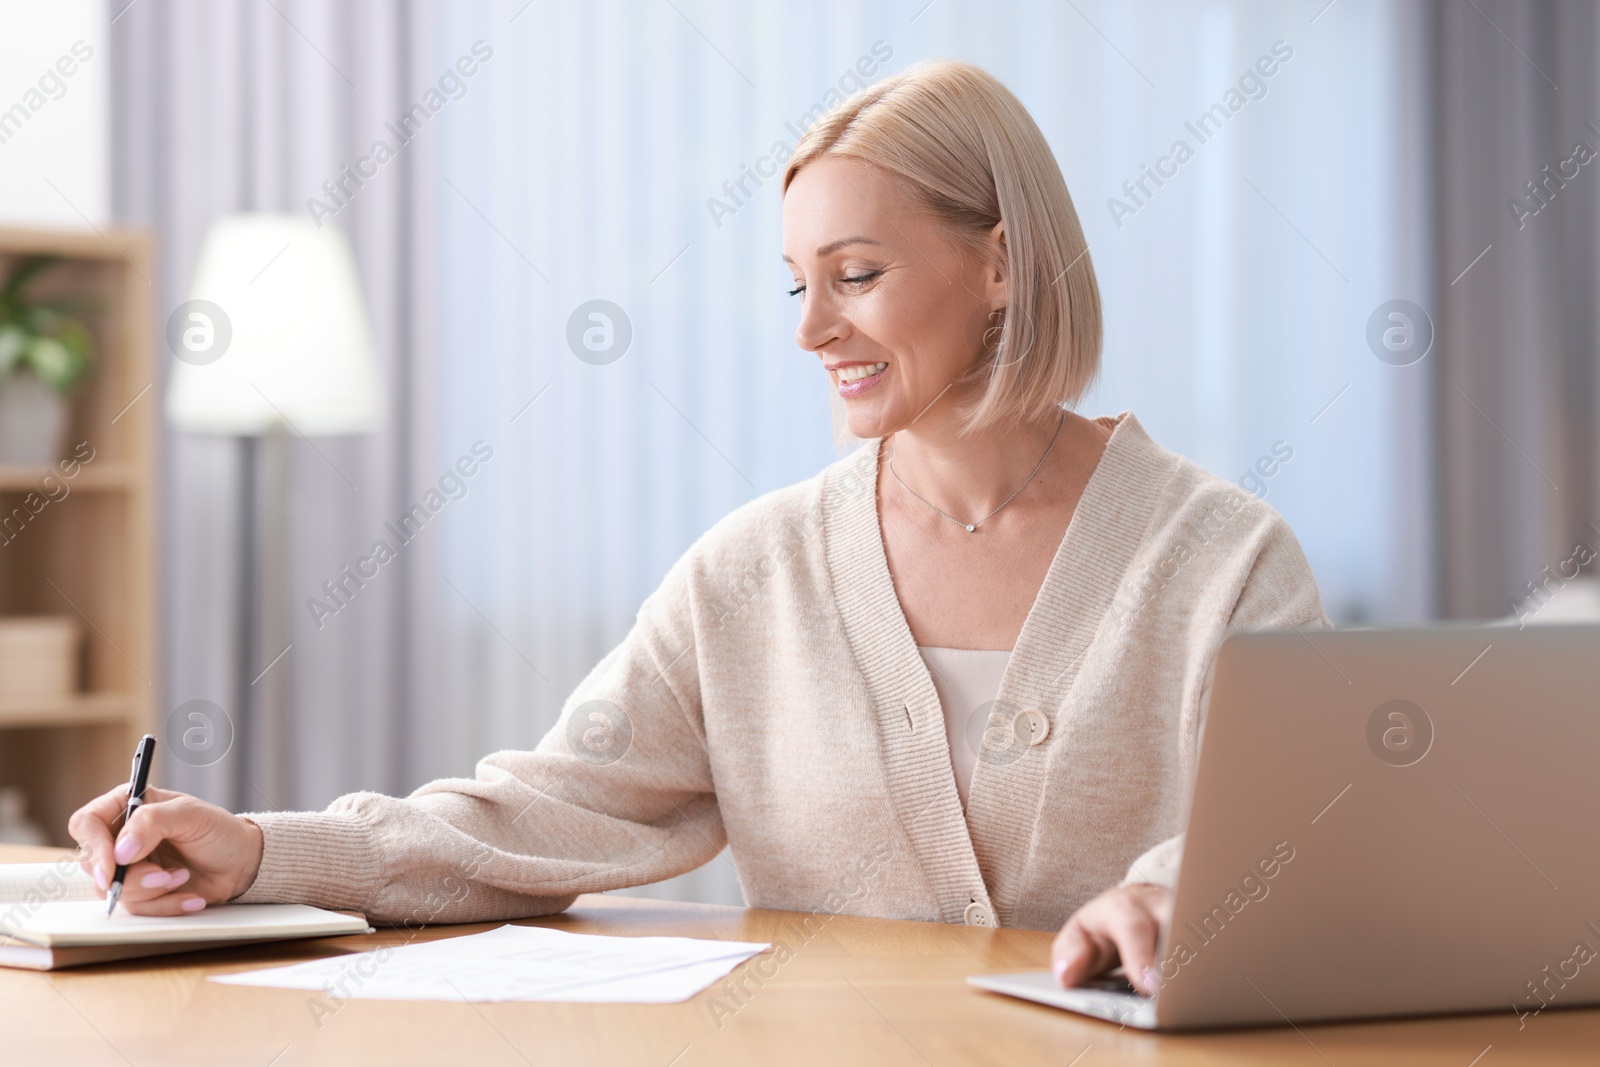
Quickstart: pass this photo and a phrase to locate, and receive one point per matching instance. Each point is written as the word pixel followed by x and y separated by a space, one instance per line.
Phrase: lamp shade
pixel 274 335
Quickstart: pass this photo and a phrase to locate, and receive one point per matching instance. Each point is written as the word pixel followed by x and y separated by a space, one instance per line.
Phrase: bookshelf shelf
pixel 79 709
pixel 94 477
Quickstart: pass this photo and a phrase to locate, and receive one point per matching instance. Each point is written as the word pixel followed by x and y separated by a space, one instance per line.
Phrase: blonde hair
pixel 972 156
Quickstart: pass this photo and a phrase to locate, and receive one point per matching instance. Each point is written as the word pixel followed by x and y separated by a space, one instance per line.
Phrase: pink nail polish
pixel 1060 969
pixel 126 849
pixel 153 879
pixel 178 877
pixel 100 877
pixel 193 904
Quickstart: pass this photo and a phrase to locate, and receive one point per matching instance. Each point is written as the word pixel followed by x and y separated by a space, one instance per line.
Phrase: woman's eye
pixel 855 280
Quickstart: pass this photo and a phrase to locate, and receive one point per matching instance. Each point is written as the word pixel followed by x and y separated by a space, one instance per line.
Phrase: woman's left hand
pixel 1123 924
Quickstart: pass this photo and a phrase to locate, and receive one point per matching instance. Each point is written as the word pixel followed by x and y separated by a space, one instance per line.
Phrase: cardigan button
pixel 977 915
pixel 1030 727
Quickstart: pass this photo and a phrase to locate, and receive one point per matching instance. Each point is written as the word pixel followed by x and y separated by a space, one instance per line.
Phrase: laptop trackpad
pixel 1111 1000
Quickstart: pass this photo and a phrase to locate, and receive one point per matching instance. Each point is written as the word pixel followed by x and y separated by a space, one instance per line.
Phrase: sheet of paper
pixel 38 882
pixel 519 963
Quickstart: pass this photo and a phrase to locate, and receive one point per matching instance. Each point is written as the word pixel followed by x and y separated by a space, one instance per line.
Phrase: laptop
pixel 1384 822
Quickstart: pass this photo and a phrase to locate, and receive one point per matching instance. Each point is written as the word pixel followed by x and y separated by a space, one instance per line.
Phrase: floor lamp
pixel 273 343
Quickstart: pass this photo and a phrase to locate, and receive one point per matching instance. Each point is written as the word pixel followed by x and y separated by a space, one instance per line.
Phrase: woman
pixel 802 686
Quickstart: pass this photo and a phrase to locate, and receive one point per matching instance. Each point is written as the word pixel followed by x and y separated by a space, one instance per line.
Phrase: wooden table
pixel 866 991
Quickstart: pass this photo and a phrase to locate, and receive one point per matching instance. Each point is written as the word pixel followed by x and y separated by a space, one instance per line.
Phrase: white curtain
pixel 620 152
pixel 1519 378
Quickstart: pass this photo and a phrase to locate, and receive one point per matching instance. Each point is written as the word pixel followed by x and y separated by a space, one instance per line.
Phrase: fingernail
pixel 127 848
pixel 155 878
pixel 193 904
pixel 1150 980
pixel 178 877
pixel 100 877
pixel 1060 969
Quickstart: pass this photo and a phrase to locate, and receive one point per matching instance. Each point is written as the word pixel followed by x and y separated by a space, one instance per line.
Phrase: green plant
pixel 43 336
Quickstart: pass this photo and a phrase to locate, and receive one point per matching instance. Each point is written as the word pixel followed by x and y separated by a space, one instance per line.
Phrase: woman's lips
pixel 860 385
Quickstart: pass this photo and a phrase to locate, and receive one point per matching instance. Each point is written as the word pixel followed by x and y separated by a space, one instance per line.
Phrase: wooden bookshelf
pixel 90 554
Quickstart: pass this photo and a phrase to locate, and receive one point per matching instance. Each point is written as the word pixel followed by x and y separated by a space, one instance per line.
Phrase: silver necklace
pixel 972 527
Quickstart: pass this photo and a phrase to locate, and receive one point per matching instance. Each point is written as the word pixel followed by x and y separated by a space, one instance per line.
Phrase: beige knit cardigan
pixel 770 698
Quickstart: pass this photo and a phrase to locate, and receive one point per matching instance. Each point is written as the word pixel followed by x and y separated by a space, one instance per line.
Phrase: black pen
pixel 142 758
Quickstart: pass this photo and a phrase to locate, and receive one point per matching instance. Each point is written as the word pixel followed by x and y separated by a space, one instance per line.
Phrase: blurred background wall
pixel 1346 162
pixel 55 153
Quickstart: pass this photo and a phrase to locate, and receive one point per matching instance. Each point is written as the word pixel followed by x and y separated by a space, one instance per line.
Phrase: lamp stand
pixel 261 731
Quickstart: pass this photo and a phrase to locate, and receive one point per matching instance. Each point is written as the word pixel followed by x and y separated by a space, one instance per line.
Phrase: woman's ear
pixel 998 279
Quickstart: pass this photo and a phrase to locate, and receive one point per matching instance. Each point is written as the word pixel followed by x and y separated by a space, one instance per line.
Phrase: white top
pixel 967 681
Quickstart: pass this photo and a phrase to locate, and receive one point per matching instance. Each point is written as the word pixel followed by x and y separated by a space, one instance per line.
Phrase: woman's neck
pixel 970 476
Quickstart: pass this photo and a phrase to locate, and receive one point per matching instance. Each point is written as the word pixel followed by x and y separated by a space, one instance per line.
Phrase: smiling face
pixel 892 304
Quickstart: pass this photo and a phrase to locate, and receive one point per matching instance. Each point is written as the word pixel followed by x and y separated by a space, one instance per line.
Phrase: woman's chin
pixel 867 418
pixel 866 421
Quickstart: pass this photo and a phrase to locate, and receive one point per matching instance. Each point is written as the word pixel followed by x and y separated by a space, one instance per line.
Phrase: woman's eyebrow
pixel 829 249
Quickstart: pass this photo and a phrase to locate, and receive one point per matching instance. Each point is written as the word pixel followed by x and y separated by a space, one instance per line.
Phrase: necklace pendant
pixel 971 527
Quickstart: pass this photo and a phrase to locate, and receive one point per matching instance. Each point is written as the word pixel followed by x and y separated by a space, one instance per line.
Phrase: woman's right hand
pixel 182 853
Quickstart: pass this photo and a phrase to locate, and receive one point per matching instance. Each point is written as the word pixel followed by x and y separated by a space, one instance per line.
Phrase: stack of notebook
pixel 52 916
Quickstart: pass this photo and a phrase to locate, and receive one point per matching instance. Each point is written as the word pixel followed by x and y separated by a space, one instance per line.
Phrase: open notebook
pixel 51 916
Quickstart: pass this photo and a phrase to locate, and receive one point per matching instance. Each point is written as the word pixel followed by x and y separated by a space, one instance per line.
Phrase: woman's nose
pixel 819 323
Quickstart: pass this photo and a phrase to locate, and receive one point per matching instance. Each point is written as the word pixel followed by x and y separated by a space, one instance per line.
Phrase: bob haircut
pixel 972 156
